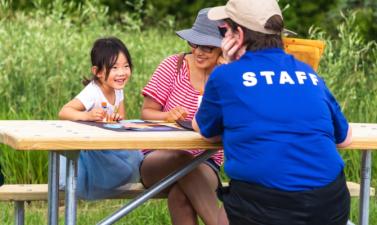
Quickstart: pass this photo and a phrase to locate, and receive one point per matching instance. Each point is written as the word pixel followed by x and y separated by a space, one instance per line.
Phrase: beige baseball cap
pixel 252 14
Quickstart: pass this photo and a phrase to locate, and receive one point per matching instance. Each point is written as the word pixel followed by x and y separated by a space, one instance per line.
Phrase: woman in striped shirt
pixel 173 93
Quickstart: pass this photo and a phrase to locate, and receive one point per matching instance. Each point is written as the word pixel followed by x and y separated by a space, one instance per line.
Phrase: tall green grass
pixel 43 58
pixel 349 67
pixel 45 54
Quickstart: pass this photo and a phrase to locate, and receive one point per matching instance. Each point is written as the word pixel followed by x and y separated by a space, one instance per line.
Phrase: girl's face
pixel 205 57
pixel 119 73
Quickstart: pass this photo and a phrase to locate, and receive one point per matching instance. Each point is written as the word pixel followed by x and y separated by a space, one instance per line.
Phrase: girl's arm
pixel 75 110
pixel 152 110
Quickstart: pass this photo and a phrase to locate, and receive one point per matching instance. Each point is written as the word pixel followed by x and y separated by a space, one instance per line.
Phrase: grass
pixel 45 54
pixel 153 212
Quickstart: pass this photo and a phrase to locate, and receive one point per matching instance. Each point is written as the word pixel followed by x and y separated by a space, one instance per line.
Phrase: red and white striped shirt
pixel 170 89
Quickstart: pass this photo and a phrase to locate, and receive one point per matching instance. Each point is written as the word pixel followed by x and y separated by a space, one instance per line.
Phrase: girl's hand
pixel 96 114
pixel 114 117
pixel 177 113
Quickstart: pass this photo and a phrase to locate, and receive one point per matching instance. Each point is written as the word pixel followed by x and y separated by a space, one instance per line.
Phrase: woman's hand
pixel 177 113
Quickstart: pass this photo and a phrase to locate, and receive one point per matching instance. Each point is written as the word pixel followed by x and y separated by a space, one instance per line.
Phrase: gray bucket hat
pixel 203 32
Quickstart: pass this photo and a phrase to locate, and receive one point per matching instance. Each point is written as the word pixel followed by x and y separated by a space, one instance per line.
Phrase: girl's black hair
pixel 104 55
pixel 255 40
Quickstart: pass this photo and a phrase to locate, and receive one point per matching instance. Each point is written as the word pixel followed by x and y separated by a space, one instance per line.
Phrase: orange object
pixel 308 51
pixel 103 104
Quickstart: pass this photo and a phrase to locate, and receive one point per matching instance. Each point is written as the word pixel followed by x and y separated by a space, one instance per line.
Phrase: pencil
pixel 116 109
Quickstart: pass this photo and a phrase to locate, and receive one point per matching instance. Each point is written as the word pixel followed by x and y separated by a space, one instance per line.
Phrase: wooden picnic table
pixel 66 137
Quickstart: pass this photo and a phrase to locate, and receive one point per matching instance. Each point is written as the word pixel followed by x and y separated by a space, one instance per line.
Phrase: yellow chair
pixel 308 51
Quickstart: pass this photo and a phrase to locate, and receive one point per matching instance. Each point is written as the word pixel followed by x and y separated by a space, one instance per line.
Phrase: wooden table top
pixel 67 135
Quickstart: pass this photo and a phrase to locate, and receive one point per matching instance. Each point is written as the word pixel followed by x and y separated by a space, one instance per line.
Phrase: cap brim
pixel 217 13
pixel 199 38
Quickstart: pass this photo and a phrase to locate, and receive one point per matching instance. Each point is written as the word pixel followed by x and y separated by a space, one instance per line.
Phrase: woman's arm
pixel 151 110
pixel 348 139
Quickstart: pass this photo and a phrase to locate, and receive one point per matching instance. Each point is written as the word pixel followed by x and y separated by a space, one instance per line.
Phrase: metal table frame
pixel 365 176
pixel 71 179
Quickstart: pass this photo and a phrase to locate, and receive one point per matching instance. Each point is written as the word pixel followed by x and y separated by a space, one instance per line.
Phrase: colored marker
pixel 104 107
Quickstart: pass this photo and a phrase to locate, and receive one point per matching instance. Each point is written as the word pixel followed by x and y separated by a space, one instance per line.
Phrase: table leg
pixel 70 188
pixel 19 212
pixel 366 163
pixel 53 188
pixel 157 188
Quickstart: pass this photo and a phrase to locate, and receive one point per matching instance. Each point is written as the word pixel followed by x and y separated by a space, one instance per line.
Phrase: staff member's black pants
pixel 250 204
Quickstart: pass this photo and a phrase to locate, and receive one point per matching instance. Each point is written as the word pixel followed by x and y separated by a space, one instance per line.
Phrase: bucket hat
pixel 203 32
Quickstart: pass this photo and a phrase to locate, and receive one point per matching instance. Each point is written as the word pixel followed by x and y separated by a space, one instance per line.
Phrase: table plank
pixel 68 135
pixel 364 136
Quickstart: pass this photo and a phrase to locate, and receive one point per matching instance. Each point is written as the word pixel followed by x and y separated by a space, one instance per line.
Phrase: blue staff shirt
pixel 278 121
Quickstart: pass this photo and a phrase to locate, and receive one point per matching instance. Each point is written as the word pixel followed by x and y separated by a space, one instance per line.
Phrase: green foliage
pixel 350 70
pixel 139 15
pixel 300 15
pixel 43 58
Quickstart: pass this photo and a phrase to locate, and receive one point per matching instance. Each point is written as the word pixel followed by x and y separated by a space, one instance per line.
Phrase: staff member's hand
pixel 229 47
pixel 232 44
pixel 177 113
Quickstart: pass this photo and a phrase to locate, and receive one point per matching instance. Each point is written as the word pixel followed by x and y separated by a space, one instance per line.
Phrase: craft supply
pixel 116 109
pixel 105 109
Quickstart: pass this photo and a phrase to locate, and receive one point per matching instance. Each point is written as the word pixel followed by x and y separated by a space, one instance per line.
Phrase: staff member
pixel 279 123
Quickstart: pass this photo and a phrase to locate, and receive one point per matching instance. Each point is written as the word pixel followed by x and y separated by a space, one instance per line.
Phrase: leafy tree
pixel 299 16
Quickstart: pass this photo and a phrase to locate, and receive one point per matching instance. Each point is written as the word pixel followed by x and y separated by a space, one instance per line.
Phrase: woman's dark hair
pixel 255 40
pixel 104 55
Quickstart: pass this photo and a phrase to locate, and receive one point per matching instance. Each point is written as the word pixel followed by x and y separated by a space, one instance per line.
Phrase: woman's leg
pixel 222 218
pixel 180 208
pixel 158 164
pixel 198 186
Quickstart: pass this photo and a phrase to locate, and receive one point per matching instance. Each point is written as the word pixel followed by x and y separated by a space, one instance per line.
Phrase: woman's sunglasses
pixel 204 48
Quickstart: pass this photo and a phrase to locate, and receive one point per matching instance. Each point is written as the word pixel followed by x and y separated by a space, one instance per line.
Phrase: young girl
pixel 100 173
